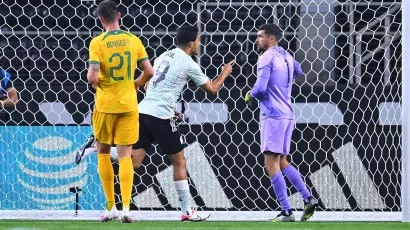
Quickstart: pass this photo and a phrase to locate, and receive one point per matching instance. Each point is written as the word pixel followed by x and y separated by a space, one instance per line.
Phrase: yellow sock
pixel 126 173
pixel 107 178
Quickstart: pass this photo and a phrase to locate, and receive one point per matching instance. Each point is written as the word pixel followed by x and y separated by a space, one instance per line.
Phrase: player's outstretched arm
pixel 212 87
pixel 147 73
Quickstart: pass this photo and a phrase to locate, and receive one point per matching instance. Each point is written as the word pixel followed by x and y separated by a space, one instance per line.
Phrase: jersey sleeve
pixel 142 53
pixel 93 50
pixel 195 73
pixel 262 81
pixel 264 71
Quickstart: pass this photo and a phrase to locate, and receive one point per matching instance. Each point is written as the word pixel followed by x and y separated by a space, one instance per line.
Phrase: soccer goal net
pixel 346 144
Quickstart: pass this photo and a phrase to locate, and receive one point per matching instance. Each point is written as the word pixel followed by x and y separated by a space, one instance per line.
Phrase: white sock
pixel 182 188
pixel 89 151
pixel 114 153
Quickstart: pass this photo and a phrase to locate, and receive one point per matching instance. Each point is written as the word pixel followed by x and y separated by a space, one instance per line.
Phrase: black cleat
pixel 309 210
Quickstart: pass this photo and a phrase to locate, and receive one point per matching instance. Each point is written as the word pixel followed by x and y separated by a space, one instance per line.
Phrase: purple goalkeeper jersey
pixel 273 87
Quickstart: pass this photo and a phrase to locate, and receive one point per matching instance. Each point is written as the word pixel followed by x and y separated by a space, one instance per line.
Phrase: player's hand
pixel 248 96
pixel 179 115
pixel 227 69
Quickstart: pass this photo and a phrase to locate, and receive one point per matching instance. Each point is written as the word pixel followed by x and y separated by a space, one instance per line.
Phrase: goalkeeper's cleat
pixel 86 149
pixel 309 210
pixel 284 216
pixel 194 216
pixel 110 215
pixel 126 216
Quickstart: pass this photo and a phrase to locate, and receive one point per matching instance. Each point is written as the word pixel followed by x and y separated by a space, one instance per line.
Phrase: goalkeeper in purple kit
pixel 276 71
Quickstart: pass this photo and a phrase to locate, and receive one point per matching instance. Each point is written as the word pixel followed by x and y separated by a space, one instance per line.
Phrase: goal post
pixel 405 190
pixel 351 136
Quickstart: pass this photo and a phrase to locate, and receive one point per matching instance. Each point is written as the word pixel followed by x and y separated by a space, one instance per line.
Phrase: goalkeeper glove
pixel 248 96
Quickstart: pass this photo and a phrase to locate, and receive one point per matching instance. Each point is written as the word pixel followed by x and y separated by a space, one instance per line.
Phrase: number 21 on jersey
pixel 120 65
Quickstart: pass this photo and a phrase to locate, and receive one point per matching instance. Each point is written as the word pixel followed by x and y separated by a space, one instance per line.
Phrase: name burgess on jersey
pixel 122 42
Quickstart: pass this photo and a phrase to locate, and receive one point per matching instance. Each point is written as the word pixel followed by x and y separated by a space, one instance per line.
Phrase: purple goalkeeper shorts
pixel 276 135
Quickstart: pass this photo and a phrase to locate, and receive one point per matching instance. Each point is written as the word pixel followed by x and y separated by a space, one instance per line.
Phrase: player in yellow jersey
pixel 113 59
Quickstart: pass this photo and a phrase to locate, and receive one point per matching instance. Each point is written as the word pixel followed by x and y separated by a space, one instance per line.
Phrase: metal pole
pixel 387 40
pixel 358 58
pixel 76 204
pixel 405 97
pixel 351 45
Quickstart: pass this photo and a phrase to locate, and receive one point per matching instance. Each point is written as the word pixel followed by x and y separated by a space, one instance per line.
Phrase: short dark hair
pixel 272 30
pixel 107 10
pixel 186 34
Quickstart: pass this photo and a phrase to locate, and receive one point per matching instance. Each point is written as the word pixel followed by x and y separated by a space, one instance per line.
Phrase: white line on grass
pixel 129 226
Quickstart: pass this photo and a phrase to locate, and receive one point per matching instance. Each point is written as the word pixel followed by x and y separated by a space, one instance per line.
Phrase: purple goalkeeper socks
pixel 279 186
pixel 294 177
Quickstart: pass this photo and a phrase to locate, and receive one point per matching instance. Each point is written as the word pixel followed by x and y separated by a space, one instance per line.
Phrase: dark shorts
pixel 163 131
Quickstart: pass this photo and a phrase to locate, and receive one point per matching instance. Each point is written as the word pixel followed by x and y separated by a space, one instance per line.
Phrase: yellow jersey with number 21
pixel 117 52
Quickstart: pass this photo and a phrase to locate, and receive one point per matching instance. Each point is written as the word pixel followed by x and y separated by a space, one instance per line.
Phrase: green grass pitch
pixel 159 225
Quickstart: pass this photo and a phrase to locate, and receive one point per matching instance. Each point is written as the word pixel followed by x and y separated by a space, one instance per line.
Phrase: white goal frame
pixel 405 193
